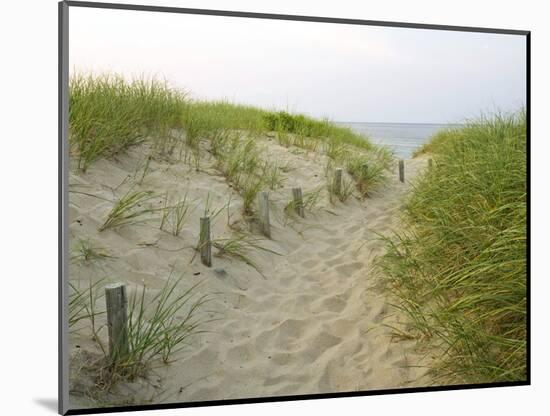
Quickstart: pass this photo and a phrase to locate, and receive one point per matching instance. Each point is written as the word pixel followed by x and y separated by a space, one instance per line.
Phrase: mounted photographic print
pixel 263 207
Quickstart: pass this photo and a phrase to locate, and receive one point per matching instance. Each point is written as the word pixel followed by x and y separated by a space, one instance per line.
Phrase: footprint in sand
pixel 290 329
pixel 282 358
pixel 353 229
pixel 327 253
pixel 334 304
pixel 283 379
pixel 388 354
pixel 324 383
pixel 334 242
pixel 342 248
pixel 346 328
pixel 349 268
pixel 379 313
pixel 318 345
pixel 205 361
pixel 205 393
pixel 298 304
pixel 309 264
pixel 282 335
pixel 240 353
pixel 272 381
pixel 290 389
pixel 334 262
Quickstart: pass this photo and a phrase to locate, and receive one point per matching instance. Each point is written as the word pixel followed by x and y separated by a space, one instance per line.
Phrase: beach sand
pixel 315 322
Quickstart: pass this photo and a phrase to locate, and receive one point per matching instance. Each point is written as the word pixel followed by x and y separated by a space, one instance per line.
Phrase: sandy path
pixel 313 325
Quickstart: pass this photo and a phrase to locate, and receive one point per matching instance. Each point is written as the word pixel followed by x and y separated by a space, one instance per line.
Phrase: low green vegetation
pixel 310 200
pixel 108 115
pixel 175 215
pixel 342 190
pixel 85 252
pixel 458 267
pixel 368 169
pixel 129 209
pixel 240 246
pixel 160 324
pixel 159 327
pixel 307 129
pixel 82 305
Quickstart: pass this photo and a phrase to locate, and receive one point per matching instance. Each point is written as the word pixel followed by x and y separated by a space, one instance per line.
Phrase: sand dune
pixel 313 323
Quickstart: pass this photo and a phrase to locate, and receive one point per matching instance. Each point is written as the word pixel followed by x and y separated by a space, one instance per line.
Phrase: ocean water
pixel 402 138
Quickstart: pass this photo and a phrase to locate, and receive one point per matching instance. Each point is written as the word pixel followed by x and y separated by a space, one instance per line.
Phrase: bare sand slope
pixel 312 324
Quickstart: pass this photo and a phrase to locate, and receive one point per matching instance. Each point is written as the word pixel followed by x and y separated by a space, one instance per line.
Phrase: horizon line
pixel 396 122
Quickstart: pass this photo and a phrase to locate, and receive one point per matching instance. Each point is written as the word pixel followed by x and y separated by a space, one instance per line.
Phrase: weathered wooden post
pixel 337 185
pixel 263 205
pixel 117 320
pixel 430 163
pixel 401 170
pixel 205 243
pixel 298 201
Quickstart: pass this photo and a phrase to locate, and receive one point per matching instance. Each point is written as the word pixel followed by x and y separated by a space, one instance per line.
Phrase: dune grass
pixel 310 202
pixel 159 327
pixel 369 170
pixel 339 143
pixel 272 171
pixel 308 129
pixel 82 304
pixel 458 267
pixel 241 161
pixel 174 216
pixel 85 252
pixel 342 192
pixel 239 246
pixel 160 324
pixel 108 114
pixel 129 209
pixel 209 117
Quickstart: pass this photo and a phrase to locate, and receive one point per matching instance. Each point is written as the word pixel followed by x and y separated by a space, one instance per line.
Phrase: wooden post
pixel 117 320
pixel 263 204
pixel 205 243
pixel 430 163
pixel 401 170
pixel 337 185
pixel 298 201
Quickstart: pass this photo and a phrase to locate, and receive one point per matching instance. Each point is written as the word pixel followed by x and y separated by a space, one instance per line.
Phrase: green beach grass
pixel 109 114
pixel 457 267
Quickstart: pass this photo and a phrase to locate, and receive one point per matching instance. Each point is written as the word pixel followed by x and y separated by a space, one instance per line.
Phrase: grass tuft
pixel 108 114
pixel 345 190
pixel 310 201
pixel 175 216
pixel 82 303
pixel 128 210
pixel 240 246
pixel 85 252
pixel 160 325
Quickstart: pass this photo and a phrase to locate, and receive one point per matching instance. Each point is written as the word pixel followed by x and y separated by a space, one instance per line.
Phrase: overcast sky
pixel 343 72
